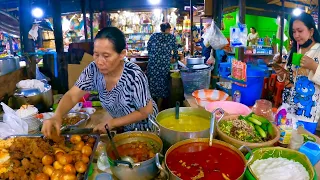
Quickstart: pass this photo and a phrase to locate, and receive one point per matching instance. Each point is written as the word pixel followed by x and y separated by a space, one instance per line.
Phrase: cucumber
pixel 261 119
pixel 264 127
pixel 251 124
pixel 250 115
pixel 270 129
pixel 261 131
pixel 242 117
pixel 254 121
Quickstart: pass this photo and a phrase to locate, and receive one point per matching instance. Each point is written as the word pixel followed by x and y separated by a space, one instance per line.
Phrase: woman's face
pixel 106 58
pixel 301 33
pixel 252 31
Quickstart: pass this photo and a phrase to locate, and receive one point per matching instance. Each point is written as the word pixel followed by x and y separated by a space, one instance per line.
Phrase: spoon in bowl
pixel 214 114
pixel 124 158
pixel 177 110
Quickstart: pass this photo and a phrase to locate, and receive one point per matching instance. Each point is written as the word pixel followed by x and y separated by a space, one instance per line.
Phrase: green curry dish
pixel 240 130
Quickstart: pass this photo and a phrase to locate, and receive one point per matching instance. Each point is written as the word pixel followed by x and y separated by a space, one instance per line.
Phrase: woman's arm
pixel 69 100
pixel 315 77
pixel 133 117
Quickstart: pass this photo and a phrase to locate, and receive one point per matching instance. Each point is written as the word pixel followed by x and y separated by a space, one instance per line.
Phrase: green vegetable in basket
pixel 261 119
pixel 254 121
pixel 264 127
pixel 260 131
pixel 270 129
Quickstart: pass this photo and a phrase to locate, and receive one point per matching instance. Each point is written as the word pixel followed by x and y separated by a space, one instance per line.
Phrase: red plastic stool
pixel 272 82
pixel 277 98
pixel 265 88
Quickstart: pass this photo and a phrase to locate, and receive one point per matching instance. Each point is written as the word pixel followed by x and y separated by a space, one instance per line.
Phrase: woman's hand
pixel 211 61
pixel 101 128
pixel 50 125
pixel 308 63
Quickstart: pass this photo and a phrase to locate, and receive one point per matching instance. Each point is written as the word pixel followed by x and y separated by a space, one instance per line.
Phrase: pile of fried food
pixel 36 158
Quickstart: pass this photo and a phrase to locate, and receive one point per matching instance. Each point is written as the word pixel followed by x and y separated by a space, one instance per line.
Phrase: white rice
pixel 279 169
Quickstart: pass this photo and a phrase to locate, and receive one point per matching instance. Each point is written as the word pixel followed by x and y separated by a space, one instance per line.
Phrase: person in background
pixel 162 50
pixel 302 83
pixel 122 87
pixel 253 36
pixel 206 52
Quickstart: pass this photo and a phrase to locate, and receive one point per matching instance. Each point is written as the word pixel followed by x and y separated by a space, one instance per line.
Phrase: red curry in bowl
pixel 197 160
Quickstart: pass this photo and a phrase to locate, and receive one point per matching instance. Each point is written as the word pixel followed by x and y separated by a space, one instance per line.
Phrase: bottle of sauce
pixel 286 128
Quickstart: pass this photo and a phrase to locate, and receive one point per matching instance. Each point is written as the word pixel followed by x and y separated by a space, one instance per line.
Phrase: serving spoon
pixel 214 114
pixel 124 158
pixel 177 110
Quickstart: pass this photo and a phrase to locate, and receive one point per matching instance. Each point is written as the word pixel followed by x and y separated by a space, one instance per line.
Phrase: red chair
pixel 265 89
pixel 272 82
pixel 277 96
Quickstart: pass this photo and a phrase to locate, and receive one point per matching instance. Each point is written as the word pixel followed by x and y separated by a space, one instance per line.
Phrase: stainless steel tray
pixel 67 136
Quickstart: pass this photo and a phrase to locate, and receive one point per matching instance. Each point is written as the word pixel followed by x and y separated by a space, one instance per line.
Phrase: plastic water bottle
pixel 103 163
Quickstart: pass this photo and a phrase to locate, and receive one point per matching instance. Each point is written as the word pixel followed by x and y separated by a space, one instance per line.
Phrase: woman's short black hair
pixel 114 35
pixel 254 29
pixel 164 27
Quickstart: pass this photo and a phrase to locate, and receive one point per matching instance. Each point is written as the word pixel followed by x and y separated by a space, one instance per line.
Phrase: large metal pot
pixel 41 100
pixel 145 170
pixel 195 60
pixel 170 137
pixel 193 147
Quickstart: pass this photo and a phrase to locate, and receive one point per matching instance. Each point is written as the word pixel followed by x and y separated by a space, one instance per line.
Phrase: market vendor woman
pixel 302 80
pixel 122 87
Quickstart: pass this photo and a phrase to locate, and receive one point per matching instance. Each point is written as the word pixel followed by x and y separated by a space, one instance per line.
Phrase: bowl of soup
pixel 195 159
pixel 192 123
pixel 142 148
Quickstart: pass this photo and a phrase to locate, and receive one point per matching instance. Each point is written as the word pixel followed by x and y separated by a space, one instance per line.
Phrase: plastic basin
pixel 204 97
pixel 230 107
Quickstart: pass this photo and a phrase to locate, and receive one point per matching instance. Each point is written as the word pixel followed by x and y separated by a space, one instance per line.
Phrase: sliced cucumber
pixel 270 129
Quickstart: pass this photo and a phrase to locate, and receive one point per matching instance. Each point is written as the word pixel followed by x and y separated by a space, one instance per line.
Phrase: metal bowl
pixel 84 117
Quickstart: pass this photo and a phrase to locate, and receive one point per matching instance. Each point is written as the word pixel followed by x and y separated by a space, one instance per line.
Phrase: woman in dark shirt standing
pixel 161 49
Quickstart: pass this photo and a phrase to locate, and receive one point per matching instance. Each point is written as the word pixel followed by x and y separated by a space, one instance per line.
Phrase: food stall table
pixel 190 102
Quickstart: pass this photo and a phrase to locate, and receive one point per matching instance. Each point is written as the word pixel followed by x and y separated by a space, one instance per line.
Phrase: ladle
pixel 124 158
pixel 177 110
pixel 212 123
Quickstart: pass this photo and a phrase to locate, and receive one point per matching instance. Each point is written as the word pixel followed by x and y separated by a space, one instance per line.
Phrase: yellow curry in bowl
pixel 185 123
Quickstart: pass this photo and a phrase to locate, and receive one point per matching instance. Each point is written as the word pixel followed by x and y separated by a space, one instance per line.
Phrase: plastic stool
pixel 277 98
pixel 265 88
pixel 272 82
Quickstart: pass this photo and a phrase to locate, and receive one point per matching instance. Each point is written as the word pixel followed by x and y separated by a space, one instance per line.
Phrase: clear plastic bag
pixel 213 37
pixel 12 124
pixel 238 36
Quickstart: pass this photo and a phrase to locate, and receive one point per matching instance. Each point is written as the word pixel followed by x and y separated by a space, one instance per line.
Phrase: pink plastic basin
pixel 230 107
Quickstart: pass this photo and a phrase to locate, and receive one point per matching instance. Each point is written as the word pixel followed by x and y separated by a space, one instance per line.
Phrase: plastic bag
pixel 238 36
pixel 12 124
pixel 213 37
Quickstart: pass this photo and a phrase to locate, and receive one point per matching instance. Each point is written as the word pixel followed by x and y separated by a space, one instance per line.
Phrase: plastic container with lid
pixel 312 151
pixel 263 108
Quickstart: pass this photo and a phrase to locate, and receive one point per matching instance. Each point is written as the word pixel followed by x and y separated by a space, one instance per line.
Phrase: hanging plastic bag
pixel 239 36
pixel 214 37
pixel 12 124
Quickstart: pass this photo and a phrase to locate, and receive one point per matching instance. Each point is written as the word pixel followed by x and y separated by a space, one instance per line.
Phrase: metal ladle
pixel 177 110
pixel 124 158
pixel 212 123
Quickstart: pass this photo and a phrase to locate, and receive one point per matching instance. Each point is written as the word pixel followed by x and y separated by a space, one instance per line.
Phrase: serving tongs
pixel 216 113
